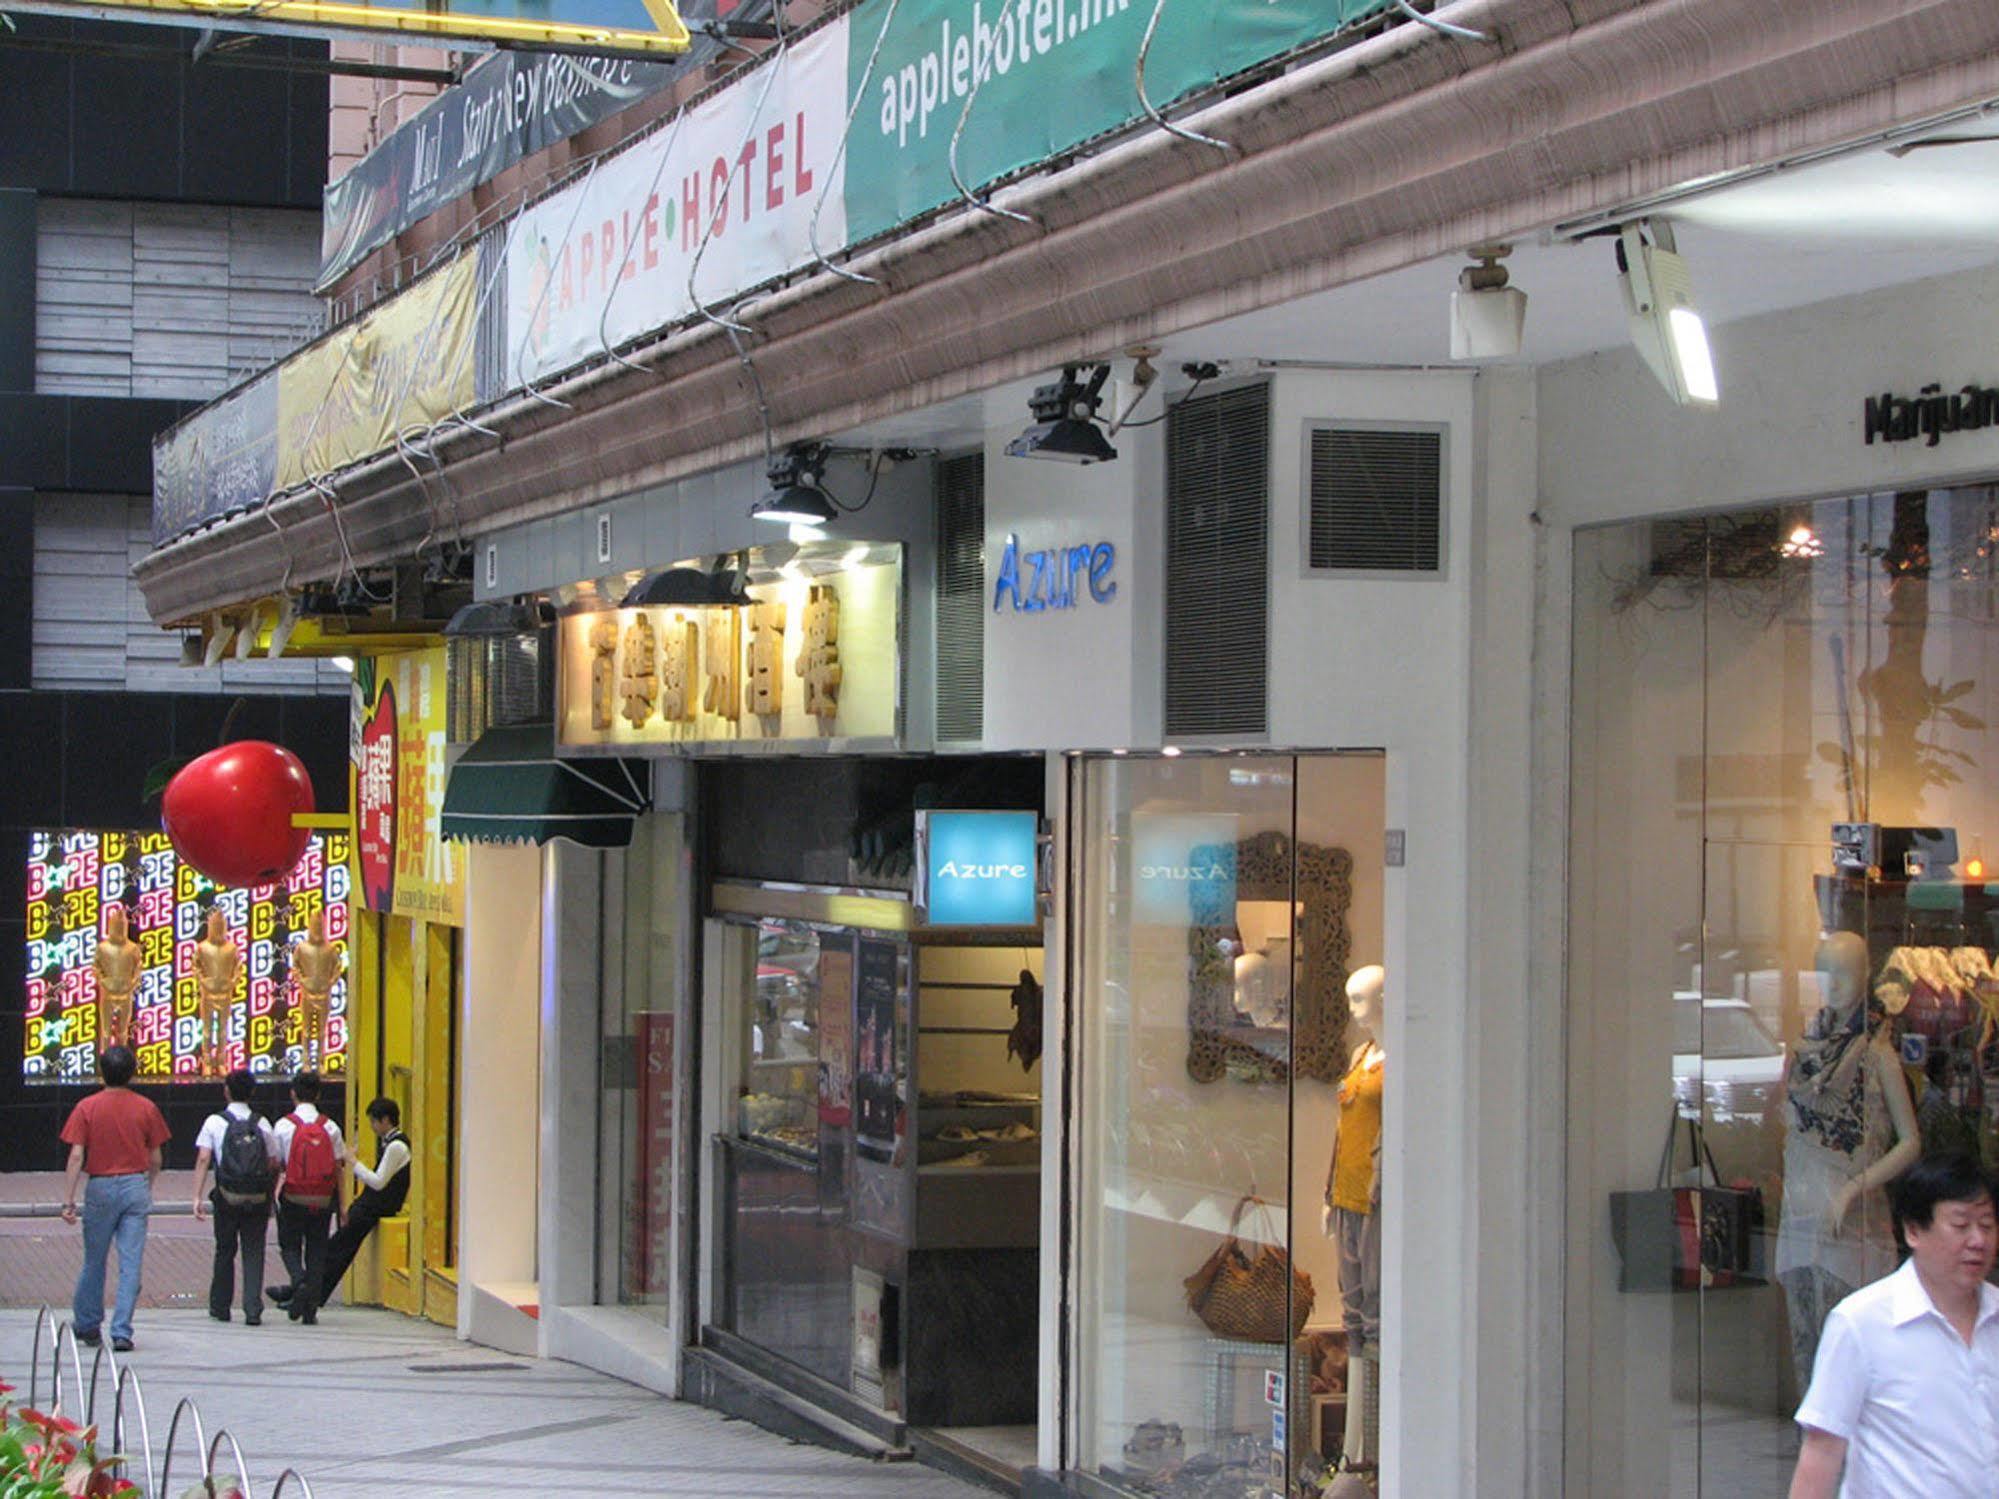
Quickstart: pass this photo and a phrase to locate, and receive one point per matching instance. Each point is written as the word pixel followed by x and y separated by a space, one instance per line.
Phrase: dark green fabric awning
pixel 510 788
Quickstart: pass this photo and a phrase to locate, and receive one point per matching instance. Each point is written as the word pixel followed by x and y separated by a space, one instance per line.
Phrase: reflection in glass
pixel 1781 798
pixel 779 1101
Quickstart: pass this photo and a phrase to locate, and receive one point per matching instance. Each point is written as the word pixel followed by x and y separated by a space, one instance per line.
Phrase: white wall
pixel 1085 677
pixel 1789 424
pixel 499 1125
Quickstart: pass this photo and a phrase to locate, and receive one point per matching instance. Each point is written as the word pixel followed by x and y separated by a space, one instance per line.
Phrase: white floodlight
pixel 1666 328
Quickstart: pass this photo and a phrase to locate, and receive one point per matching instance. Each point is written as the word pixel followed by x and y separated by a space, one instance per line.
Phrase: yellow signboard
pixel 650 27
pixel 403 366
pixel 814 657
pixel 402 863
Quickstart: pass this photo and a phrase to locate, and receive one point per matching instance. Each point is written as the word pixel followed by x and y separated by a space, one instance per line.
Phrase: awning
pixel 510 788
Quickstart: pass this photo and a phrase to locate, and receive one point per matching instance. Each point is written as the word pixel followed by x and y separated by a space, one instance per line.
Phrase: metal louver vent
pixel 1218 564
pixel 961 591
pixel 498 681
pixel 1374 500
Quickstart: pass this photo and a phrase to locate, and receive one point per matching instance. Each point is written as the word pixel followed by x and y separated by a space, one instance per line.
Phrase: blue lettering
pixel 1037 599
pixel 1103 557
pixel 1008 581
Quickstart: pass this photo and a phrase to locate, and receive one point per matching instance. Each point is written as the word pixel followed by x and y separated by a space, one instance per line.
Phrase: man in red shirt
pixel 114 1138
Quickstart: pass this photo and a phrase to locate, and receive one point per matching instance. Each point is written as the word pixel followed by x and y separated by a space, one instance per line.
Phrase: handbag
pixel 1259 1299
pixel 1687 1238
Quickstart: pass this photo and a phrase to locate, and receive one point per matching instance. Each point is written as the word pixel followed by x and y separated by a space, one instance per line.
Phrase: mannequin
pixel 116 962
pixel 1850 1128
pixel 1352 1214
pixel 316 966
pixel 217 967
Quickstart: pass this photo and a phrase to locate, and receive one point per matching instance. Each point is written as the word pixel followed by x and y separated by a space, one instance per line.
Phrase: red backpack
pixel 311 1170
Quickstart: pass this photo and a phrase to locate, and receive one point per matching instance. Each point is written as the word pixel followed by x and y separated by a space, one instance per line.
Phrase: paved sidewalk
pixel 370 1405
pixel 39 1257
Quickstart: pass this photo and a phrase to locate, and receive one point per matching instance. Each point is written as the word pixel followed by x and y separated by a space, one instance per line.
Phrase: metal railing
pixel 128 1409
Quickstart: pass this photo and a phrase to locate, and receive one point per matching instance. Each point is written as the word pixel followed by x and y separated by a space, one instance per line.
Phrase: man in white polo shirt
pixel 1905 1390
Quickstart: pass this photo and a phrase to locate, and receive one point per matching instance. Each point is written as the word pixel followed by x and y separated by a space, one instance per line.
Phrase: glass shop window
pixel 778 1101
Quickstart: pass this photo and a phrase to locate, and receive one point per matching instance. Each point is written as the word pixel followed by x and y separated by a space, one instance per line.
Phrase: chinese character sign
pixel 128 894
pixel 402 864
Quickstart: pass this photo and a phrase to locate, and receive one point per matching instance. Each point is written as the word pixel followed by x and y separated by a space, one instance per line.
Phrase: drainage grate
pixel 466 1368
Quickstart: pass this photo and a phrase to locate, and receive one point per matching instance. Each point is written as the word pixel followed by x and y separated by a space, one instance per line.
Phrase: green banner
pixel 1050 75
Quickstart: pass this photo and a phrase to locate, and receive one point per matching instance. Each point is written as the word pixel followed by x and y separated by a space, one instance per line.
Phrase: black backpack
pixel 243 1165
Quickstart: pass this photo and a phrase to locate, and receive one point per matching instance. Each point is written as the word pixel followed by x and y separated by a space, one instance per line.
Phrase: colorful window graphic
pixel 76 880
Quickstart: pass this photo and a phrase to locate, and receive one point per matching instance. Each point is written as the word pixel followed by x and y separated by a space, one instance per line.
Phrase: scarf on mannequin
pixel 1828 1082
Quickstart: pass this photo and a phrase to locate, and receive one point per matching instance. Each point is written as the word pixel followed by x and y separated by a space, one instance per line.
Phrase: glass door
pixel 1216 904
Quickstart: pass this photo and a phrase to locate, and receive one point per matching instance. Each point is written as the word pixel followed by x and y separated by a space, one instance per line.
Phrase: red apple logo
pixel 375 802
pixel 229 813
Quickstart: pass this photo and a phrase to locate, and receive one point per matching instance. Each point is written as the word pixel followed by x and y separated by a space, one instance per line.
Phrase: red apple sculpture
pixel 229 813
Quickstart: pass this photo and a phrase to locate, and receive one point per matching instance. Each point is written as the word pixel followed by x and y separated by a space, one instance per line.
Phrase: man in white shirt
pixel 383 1190
pixel 309 1197
pixel 1905 1390
pixel 244 1153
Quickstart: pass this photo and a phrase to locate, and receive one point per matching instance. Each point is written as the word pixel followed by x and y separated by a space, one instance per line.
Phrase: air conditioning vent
pixel 1374 500
pixel 1218 564
pixel 961 594
pixel 498 682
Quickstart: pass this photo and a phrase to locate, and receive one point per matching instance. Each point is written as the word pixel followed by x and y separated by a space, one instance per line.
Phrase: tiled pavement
pixel 370 1404
pixel 39 1256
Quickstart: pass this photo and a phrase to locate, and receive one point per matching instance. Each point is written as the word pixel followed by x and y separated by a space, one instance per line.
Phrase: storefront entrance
pixel 1228 1018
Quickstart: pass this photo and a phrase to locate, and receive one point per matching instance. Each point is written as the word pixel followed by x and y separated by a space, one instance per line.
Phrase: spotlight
pixel 1487 315
pixel 281 630
pixel 797 496
pixel 687 588
pixel 492 618
pixel 1065 421
pixel 1659 306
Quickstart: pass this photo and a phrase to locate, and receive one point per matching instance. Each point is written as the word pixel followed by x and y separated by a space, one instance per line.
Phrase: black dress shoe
pixel 253 1319
pixel 280 1294
pixel 294 1313
pixel 219 1316
pixel 309 1319
pixel 121 1345
pixel 90 1339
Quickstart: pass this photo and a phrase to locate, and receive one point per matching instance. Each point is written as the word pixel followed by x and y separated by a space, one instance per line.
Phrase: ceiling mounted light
pixel 797 491
pixel 1065 421
pixel 1488 317
pixel 1659 306
pixel 1801 542
pixel 490 618
pixel 687 588
pixel 282 627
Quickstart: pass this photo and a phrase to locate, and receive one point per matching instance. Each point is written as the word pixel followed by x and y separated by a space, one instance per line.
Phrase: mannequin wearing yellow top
pixel 217 967
pixel 117 964
pixel 316 967
pixel 1352 1213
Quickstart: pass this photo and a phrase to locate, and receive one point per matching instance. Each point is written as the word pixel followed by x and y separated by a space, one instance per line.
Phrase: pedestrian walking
pixel 383 1190
pixel 115 1138
pixel 1905 1387
pixel 309 1197
pixel 244 1152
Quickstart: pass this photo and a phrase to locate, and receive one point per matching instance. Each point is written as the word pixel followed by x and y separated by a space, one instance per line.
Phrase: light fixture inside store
pixel 1801 541
pixel 1488 317
pixel 687 588
pixel 343 663
pixel 1064 426
pixel 797 489
pixel 1659 308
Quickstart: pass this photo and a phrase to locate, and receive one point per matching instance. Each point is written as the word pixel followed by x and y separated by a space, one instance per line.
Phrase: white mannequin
pixel 1364 1010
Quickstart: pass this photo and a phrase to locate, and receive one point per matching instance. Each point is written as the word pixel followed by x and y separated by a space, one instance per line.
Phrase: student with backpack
pixel 383 1190
pixel 243 1151
pixel 309 1197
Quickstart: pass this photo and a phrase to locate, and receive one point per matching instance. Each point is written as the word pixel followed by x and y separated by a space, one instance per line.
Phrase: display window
pixel 1232 1068
pixel 778 1102
pixel 1782 930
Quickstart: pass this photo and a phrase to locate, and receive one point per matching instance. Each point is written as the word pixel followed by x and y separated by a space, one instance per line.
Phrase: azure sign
pixel 978 868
